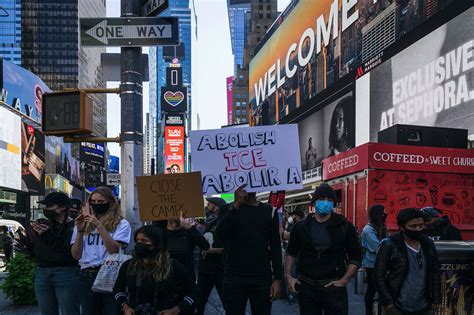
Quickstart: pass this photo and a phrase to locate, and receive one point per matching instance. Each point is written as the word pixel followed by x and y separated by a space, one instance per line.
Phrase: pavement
pixel 214 306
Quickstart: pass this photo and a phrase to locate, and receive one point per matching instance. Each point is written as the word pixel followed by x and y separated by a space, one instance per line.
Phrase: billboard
pixel 430 83
pixel 229 100
pixel 10 149
pixel 327 132
pixel 174 99
pixel 320 42
pixel 22 90
pixel 92 153
pixel 174 119
pixel 174 149
pixel 33 161
pixel 59 160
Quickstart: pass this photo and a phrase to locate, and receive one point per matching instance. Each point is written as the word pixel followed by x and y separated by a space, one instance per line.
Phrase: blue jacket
pixel 370 242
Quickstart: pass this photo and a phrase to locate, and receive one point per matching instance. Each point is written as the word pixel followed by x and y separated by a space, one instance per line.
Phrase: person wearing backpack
pixel 329 255
pixel 152 282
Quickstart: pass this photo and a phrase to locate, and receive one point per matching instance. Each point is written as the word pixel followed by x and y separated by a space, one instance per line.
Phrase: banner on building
pixel 263 158
pixel 169 196
pixel 174 149
pixel 10 149
pixel 430 83
pixel 229 100
pixel 33 161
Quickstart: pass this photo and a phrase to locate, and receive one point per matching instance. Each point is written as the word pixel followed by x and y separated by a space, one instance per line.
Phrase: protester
pixel 211 266
pixel 406 271
pixel 439 228
pixel 372 234
pixel 182 238
pixel 100 231
pixel 324 243
pixel 75 208
pixel 56 278
pixel 7 243
pixel 151 282
pixel 252 256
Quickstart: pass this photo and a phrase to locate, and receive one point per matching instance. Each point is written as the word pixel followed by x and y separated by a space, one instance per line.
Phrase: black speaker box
pixel 424 136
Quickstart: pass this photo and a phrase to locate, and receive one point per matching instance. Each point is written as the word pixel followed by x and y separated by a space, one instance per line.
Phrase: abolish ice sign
pixel 129 32
pixel 265 158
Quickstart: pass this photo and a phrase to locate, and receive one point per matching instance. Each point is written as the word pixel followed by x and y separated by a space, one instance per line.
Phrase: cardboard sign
pixel 163 197
pixel 265 158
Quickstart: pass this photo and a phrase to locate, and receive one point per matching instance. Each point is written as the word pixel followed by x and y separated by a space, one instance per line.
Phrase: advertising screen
pixel 10 149
pixel 21 89
pixel 327 132
pixel 229 100
pixel 320 42
pixel 32 159
pixel 430 83
pixel 60 161
pixel 174 99
pixel 174 150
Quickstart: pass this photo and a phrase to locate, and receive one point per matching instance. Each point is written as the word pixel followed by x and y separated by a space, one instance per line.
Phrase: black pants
pixel 237 290
pixel 206 282
pixel 313 300
pixel 370 292
pixel 395 311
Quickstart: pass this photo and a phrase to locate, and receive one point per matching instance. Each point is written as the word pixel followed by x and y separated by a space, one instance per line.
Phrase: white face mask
pixel 290 220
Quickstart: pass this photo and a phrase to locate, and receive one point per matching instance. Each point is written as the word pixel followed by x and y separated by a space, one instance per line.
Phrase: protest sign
pixel 265 158
pixel 163 197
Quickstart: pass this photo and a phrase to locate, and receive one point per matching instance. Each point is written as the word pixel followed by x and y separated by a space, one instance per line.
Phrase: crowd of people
pixel 241 246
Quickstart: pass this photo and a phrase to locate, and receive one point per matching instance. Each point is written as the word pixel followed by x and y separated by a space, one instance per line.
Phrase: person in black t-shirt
pixel 182 238
pixel 329 255
pixel 152 282
pixel 252 255
pixel 56 278
pixel 211 265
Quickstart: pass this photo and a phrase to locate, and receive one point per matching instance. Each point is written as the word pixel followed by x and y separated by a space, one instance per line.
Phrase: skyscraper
pixel 51 50
pixel 249 20
pixel 157 65
pixel 10 31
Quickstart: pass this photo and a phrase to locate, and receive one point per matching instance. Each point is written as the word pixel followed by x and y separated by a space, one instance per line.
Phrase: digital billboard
pixel 320 42
pixel 327 132
pixel 430 83
pixel 174 149
pixel 59 160
pixel 229 99
pixel 33 161
pixel 10 149
pixel 174 99
pixel 22 90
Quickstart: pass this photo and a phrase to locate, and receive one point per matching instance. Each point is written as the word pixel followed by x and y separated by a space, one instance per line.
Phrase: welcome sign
pixel 264 158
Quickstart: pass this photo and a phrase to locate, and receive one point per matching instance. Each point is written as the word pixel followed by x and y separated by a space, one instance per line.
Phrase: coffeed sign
pixel 263 158
pixel 168 196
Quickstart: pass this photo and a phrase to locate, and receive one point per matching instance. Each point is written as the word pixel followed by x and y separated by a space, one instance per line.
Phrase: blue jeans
pixel 93 303
pixel 56 289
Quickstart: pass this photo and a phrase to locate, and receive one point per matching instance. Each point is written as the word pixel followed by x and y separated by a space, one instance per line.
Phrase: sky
pixel 214 63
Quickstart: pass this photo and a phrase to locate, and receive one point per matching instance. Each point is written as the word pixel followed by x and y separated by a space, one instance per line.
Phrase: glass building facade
pixel 239 21
pixel 157 66
pixel 50 48
pixel 10 31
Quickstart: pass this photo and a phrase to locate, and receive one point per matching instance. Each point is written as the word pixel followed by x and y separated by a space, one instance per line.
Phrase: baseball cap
pixel 430 212
pixel 56 198
pixel 217 201
pixel 75 204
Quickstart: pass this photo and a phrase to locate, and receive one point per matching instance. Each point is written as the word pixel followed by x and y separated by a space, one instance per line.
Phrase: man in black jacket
pixel 439 229
pixel 325 243
pixel 252 255
pixel 406 271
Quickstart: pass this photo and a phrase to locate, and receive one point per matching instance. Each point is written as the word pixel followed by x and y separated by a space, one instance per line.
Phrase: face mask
pixel 323 207
pixel 143 250
pixel 50 214
pixel 415 235
pixel 100 208
pixel 290 220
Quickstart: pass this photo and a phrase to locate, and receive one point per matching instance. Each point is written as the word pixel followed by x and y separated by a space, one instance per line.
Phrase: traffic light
pixel 67 113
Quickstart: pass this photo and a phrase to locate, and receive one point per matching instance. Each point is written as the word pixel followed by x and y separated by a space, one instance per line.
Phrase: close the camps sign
pixel 265 158
pixel 164 197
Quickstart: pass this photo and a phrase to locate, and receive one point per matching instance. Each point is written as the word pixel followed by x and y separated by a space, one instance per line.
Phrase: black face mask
pixel 144 250
pixel 415 235
pixel 100 208
pixel 50 215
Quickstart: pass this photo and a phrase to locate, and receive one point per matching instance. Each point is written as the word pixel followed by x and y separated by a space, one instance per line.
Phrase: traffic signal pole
pixel 131 143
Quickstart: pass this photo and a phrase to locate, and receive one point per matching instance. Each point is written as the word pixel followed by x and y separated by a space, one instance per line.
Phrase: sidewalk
pixel 214 306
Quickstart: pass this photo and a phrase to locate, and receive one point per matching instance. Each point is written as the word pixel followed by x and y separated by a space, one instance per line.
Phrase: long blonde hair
pixel 113 216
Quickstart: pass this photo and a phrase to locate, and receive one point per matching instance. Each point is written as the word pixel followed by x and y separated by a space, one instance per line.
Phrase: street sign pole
pixel 131 121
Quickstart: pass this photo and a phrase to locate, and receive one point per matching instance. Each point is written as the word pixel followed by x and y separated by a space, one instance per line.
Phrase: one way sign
pixel 150 31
